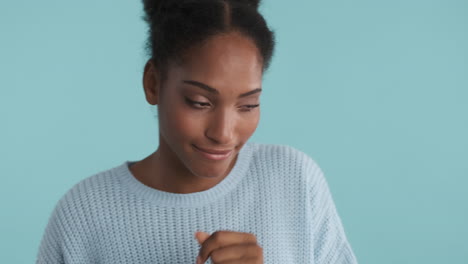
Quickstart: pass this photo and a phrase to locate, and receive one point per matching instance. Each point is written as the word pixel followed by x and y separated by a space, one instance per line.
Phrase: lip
pixel 214 154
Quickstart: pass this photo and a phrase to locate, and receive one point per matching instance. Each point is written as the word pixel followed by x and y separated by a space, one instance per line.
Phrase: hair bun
pixel 154 7
pixel 253 3
pixel 150 7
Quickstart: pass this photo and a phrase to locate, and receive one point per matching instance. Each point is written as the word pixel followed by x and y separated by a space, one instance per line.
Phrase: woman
pixel 206 194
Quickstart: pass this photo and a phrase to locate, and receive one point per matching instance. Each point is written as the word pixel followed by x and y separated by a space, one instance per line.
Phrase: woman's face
pixel 210 102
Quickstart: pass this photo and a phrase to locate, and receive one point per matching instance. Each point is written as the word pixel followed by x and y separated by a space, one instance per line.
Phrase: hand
pixel 229 247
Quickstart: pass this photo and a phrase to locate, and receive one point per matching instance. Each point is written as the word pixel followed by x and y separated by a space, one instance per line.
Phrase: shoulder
pixel 280 152
pixel 78 209
pixel 89 194
pixel 285 158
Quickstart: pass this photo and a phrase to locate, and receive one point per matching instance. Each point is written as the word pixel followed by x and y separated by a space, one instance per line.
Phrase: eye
pixel 248 108
pixel 196 104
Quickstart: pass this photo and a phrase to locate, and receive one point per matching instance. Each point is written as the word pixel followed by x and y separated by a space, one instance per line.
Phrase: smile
pixel 214 154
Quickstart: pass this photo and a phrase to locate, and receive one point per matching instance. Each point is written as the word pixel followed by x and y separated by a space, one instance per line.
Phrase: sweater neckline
pixel 169 199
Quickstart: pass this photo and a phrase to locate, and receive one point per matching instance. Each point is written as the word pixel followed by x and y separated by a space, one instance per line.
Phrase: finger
pixel 201 236
pixel 242 261
pixel 224 238
pixel 236 252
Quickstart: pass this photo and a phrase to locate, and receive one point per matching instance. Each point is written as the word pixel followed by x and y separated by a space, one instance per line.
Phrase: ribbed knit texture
pixel 276 192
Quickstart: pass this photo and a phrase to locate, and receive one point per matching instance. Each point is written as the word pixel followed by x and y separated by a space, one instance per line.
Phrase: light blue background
pixel 375 91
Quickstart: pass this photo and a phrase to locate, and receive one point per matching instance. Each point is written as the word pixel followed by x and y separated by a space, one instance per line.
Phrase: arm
pixel 329 238
pixel 51 247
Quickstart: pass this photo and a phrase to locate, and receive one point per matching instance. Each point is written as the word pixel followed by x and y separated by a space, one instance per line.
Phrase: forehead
pixel 224 61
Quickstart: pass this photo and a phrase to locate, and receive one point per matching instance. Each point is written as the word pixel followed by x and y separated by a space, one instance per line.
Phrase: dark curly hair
pixel 177 25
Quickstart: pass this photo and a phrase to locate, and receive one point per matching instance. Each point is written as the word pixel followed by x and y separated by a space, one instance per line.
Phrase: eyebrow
pixel 214 91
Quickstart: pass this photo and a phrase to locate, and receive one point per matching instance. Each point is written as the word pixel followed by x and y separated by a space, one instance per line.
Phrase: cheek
pixel 182 123
pixel 248 124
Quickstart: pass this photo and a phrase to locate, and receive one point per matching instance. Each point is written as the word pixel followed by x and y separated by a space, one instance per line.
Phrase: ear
pixel 151 83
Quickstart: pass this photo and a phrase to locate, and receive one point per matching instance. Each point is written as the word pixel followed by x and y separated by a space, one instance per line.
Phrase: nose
pixel 221 128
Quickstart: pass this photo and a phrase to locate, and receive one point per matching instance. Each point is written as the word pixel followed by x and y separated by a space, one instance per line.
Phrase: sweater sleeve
pixel 330 244
pixel 51 246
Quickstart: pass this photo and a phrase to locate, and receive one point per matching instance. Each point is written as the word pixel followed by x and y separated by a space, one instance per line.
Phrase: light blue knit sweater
pixel 276 192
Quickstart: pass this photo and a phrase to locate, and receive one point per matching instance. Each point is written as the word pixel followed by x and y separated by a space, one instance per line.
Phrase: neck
pixel 163 170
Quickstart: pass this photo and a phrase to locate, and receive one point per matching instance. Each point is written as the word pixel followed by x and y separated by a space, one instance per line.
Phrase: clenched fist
pixel 229 247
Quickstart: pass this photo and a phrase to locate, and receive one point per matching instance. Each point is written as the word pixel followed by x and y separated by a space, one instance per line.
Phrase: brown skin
pixel 230 63
pixel 229 247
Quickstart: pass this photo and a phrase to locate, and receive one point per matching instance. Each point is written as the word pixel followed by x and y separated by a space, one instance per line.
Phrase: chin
pixel 210 170
pixel 204 167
